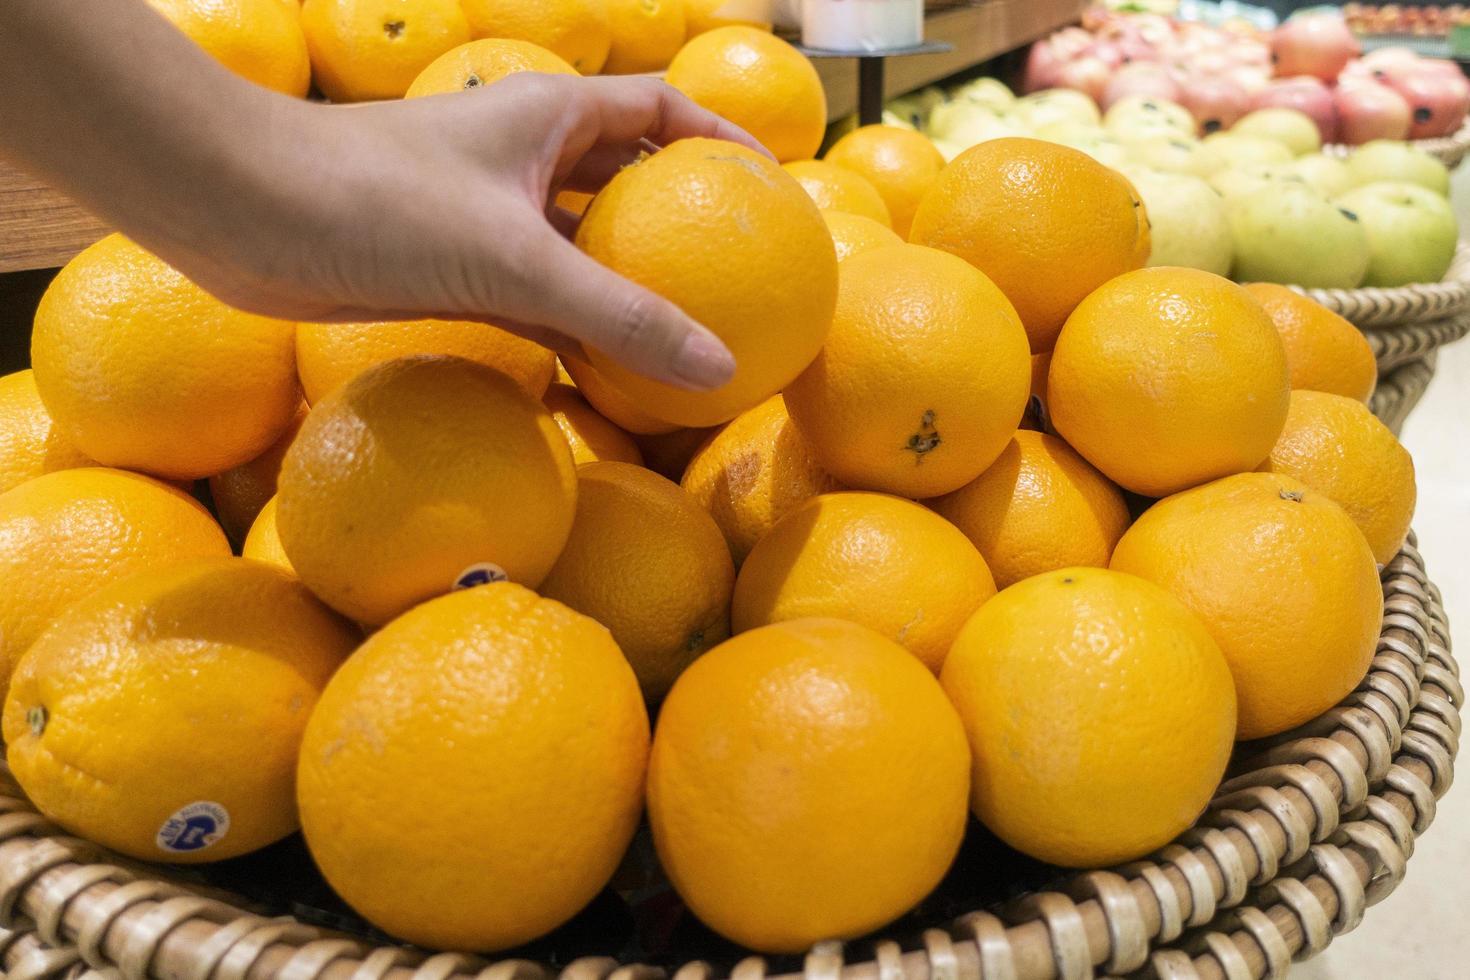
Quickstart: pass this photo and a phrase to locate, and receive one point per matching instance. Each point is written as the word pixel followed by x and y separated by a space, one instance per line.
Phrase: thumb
pixel 578 296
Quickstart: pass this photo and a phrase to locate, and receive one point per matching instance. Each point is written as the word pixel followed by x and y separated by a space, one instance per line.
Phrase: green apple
pixel 1069 131
pixel 1242 180
pixel 1288 233
pixel 1393 160
pixel 1187 219
pixel 1135 117
pixel 965 124
pixel 1326 173
pixel 1088 139
pixel 1053 105
pixel 1292 128
pixel 1220 151
pixel 1411 231
pixel 1171 154
pixel 991 93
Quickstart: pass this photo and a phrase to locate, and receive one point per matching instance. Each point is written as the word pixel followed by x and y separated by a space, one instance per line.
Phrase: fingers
pixel 636 327
pixel 623 110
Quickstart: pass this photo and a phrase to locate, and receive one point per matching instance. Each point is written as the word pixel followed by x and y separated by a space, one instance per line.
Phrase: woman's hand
pixel 439 207
pixel 429 207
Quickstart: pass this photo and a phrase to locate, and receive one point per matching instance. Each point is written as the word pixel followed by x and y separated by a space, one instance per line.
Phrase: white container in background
pixel 862 25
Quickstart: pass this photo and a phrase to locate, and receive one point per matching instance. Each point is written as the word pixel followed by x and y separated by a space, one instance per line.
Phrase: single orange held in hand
pixel 733 241
pixel 1324 352
pixel 887 563
pixel 808 782
pixel 1037 508
pixel 923 378
pixel 1100 715
pixel 1047 223
pixel 1282 579
pixel 758 82
pixel 1167 378
pixel 900 163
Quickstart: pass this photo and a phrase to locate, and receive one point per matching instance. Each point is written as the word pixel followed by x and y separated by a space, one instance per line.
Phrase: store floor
pixel 1420 931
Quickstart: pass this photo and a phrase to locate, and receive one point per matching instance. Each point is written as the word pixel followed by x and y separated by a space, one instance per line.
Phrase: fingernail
pixel 703 361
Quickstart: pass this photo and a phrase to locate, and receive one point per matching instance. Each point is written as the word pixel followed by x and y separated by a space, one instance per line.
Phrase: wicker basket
pixel 1449 150
pixel 1306 832
pixel 1400 390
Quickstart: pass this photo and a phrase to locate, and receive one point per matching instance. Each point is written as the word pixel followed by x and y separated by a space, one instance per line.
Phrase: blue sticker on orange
pixel 482 573
pixel 193 828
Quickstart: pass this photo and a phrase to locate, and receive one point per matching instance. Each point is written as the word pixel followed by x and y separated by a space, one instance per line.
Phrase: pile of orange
pixel 491 612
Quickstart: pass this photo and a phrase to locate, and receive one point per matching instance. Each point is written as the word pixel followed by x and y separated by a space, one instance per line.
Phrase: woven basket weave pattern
pixel 1298 841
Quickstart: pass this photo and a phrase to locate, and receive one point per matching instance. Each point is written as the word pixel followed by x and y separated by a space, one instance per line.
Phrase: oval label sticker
pixel 481 573
pixel 194 827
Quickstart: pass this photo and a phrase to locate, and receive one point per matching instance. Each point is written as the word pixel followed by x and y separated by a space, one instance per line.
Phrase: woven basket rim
pixel 1313 828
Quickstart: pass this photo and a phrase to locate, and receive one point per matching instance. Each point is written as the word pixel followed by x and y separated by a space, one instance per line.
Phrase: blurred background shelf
pixel 41 229
pixel 976 33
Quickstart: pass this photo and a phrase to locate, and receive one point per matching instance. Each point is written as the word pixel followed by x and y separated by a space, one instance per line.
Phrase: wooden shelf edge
pixel 40 228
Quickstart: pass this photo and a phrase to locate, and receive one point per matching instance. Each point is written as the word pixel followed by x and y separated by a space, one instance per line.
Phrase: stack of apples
pixel 1311 63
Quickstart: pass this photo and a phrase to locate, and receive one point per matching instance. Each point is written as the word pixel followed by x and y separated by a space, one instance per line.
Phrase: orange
pixel 1324 352
pixel 65 535
pixel 1036 408
pixel 754 472
pixel 202 676
pixel 758 82
pixel 900 163
pixel 852 233
pixel 331 354
pixel 886 563
pixel 611 403
pixel 646 34
pixel 1167 378
pixel 576 30
pixel 484 62
pixel 669 454
pixel 576 202
pixel 837 189
pixel 1284 582
pixel 485 737
pixel 647 562
pixel 735 243
pixel 1039 507
pixel 923 378
pixel 590 436
pixel 420 475
pixel 144 370
pixel 1048 223
pixel 807 782
pixel 1100 715
pixel 263 543
pixel 30 443
pixel 374 49
pixel 706 15
pixel 258 39
pixel 239 493
pixel 1337 447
